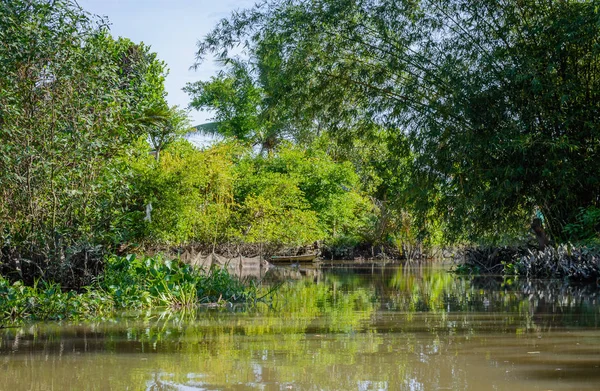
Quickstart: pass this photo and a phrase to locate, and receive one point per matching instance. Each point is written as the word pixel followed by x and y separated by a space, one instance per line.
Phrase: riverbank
pixel 88 283
pixel 331 252
pixel 192 276
pixel 565 261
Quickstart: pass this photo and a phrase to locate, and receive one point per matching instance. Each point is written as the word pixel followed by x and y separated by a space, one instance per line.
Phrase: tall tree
pixel 499 99
pixel 70 104
pixel 241 98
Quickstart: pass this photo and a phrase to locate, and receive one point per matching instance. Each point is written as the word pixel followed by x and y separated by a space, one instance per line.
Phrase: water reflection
pixel 337 328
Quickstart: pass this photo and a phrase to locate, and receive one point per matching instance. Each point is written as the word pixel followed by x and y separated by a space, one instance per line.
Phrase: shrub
pixel 587 227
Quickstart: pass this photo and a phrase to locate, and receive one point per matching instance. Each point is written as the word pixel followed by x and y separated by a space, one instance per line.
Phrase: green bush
pixel 299 195
pixel 586 229
pixel 190 190
pixel 228 193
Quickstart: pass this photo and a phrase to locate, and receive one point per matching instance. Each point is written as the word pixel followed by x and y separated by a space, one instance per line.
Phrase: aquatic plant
pixel 47 301
pixel 127 283
pixel 138 282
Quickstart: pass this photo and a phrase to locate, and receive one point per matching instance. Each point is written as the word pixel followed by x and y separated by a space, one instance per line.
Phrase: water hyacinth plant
pixel 127 283
pixel 47 301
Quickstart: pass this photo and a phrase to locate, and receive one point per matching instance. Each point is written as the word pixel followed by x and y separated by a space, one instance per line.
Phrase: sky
pixel 171 28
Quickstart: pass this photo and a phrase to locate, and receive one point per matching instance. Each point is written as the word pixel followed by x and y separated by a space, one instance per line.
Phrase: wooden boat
pixel 283 259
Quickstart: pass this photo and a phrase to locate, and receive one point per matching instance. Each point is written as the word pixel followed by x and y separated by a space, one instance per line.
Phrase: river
pixel 338 327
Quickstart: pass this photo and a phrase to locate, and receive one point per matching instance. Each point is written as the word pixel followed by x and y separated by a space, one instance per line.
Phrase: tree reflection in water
pixel 365 328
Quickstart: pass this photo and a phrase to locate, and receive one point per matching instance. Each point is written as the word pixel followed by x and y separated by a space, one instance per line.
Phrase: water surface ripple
pixel 332 328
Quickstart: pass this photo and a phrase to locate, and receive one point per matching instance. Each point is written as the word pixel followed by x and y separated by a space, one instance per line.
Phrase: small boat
pixel 292 258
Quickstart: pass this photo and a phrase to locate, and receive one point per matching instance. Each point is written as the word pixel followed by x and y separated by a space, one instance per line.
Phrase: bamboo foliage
pixel 499 100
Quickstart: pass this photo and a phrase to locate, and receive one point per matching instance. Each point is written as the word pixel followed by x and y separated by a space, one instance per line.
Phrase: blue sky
pixel 171 28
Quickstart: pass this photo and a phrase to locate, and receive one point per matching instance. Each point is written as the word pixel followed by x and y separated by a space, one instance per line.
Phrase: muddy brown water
pixel 332 328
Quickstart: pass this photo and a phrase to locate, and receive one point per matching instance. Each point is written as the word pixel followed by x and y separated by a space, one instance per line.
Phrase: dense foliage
pixel 345 123
pixel 498 99
pixel 74 102
pixel 229 194
pixel 71 100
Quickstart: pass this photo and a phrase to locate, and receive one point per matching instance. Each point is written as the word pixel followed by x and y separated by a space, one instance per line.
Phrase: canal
pixel 337 327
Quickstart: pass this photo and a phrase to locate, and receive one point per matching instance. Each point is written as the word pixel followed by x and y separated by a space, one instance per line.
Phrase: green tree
pixel 498 99
pixel 164 125
pixel 243 98
pixel 69 99
pixel 191 192
pixel 299 195
pixel 235 99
